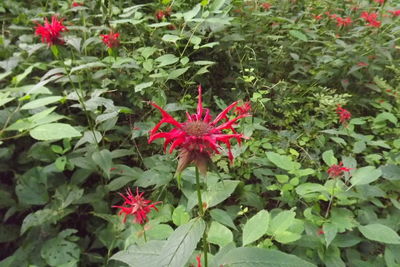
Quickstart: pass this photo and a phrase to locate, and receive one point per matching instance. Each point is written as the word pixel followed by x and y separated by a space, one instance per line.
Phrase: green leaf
pixel 258 257
pixel 181 244
pixel 180 216
pixel 166 60
pixel 359 147
pixel 188 16
pixel 60 163
pixel 219 192
pixel 54 131
pixel 283 162
pixel 365 175
pixel 299 35
pixel 219 234
pixel 170 38
pixel 329 158
pixel 39 218
pixel 119 182
pixel 286 237
pixel 380 233
pixel 308 188
pixel 330 232
pixel 141 86
pixel 282 221
pixel 256 227
pixel 103 159
pixel 139 256
pixel 32 187
pixel 222 216
pixel 60 252
pixel 391 172
pixel 176 73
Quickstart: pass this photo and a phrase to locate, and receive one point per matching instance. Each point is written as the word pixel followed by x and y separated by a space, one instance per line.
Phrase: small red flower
pixel 159 15
pixel 50 32
pixel 199 136
pixel 136 206
pixel 76 4
pixel 371 18
pixel 380 1
pixel 343 22
pixel 337 170
pixel 111 39
pixel 266 6
pixel 395 13
pixel 317 17
pixel 320 232
pixel 198 259
pixel 344 114
pixel 362 64
pixel 243 109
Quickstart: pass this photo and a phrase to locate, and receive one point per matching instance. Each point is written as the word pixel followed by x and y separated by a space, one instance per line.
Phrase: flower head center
pixel 196 128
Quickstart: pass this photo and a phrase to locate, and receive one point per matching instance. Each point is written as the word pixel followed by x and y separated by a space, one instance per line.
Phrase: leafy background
pixel 62 163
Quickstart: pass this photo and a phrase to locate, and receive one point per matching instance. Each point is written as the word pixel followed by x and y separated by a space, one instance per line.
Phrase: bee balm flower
pixel 136 206
pixel 344 114
pixel 200 136
pixel 50 32
pixel 337 170
pixel 111 39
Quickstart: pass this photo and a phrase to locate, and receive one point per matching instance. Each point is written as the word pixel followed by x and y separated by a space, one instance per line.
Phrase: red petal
pixel 224 112
pixel 199 105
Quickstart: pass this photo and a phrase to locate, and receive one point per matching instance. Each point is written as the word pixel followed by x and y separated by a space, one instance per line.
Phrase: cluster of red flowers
pixel 343 21
pixel 136 206
pixel 161 14
pixel 199 136
pixel 395 13
pixel 51 32
pixel 380 1
pixel 336 171
pixel 111 39
pixel 76 4
pixel 344 114
pixel 371 18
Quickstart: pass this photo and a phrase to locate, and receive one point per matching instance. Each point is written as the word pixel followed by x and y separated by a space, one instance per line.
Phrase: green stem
pixel 332 197
pixel 201 211
pixel 144 234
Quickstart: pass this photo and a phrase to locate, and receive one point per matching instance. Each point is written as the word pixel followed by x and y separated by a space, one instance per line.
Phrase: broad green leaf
pixel 380 233
pixel 159 231
pixel 141 86
pixel 256 227
pixel 90 65
pixel 222 216
pixel 365 175
pixel 385 116
pixel 176 73
pixel 180 216
pixel 140 256
pixel 8 233
pixel 170 38
pixel 39 217
pixel 281 222
pixel 330 232
pixel 119 182
pixel 60 252
pixel 54 131
pixel 181 244
pixel 391 172
pixel 219 234
pixel 286 237
pixel 188 16
pixel 299 35
pixel 329 158
pixel 283 162
pixel 219 192
pixel 308 188
pixel 343 219
pixel 166 60
pixel 258 257
pixel 31 187
pixel 103 159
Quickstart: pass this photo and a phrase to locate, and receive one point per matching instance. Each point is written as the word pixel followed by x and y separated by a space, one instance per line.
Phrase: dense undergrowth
pixel 314 182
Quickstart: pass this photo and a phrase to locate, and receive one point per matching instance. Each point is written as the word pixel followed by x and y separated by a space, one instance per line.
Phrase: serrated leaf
pixel 299 35
pixel 283 162
pixel 256 227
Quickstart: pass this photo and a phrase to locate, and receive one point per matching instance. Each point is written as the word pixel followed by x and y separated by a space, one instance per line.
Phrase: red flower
pixel 395 13
pixel 362 64
pixel 380 1
pixel 337 170
pixel 320 232
pixel 111 39
pixel 50 32
pixel 243 109
pixel 160 14
pixel 76 4
pixel 317 17
pixel 266 6
pixel 199 136
pixel 344 114
pixel 198 259
pixel 136 206
pixel 343 22
pixel 371 18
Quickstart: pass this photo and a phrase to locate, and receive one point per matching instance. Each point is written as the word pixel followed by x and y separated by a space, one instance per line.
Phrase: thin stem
pixel 201 211
pixel 144 234
pixel 332 197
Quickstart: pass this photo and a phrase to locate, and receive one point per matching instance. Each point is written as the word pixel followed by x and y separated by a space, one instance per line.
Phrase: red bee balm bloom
pixel 344 114
pixel 371 19
pixel 199 136
pixel 343 22
pixel 395 13
pixel 243 109
pixel 266 6
pixel 111 39
pixel 337 170
pixel 136 205
pixel 76 4
pixel 50 32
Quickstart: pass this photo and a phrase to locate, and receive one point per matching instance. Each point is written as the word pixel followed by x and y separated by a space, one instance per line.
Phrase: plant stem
pixel 332 197
pixel 144 234
pixel 201 211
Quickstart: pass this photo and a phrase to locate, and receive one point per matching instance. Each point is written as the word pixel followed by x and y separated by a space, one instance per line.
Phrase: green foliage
pixel 75 118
